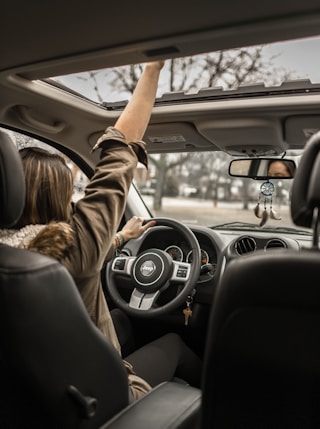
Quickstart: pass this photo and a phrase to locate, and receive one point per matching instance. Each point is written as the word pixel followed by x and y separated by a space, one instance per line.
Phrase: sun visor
pixel 298 129
pixel 176 137
pixel 245 136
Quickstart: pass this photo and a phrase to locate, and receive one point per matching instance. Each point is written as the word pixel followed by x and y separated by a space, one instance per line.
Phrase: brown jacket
pixel 95 221
pixel 85 244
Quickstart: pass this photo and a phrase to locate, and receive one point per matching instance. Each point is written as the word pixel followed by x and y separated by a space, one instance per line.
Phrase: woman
pixel 83 237
pixel 281 168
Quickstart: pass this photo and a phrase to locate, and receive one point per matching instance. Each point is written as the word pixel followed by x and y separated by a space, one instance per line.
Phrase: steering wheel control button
pixel 119 264
pixel 182 272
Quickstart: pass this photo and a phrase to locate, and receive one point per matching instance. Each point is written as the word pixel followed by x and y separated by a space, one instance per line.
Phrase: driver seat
pixel 262 358
pixel 58 371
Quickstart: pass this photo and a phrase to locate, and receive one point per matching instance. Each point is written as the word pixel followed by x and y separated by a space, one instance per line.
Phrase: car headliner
pixel 135 32
pixel 41 41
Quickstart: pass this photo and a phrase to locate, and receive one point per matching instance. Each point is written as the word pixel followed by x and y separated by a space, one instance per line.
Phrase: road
pixel 204 212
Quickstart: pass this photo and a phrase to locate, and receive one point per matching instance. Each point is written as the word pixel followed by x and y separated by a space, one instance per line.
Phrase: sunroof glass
pixel 271 64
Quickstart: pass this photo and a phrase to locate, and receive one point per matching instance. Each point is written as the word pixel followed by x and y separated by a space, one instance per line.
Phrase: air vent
pixel 275 243
pixel 245 245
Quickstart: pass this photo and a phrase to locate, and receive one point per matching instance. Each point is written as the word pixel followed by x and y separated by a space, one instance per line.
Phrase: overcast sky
pixel 301 56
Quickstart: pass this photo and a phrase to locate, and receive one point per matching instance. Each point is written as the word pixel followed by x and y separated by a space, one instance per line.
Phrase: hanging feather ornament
pixel 266 191
pixel 265 217
pixel 273 213
pixel 257 210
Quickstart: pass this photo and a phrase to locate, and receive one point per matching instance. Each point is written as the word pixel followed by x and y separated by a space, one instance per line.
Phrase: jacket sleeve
pixel 97 215
pixel 95 221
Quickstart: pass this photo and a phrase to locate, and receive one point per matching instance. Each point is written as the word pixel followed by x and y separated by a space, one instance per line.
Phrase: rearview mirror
pixel 263 168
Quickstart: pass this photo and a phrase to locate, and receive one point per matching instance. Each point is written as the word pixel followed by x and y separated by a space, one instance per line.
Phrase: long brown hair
pixel 49 187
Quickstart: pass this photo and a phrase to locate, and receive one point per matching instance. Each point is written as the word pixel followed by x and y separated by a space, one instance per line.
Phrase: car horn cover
pixel 152 270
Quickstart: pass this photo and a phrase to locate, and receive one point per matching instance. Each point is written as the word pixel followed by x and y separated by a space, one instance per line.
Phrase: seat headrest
pixel 305 195
pixel 12 183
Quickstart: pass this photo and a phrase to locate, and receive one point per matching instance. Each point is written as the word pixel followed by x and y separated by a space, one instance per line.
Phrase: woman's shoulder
pixel 55 240
pixel 112 134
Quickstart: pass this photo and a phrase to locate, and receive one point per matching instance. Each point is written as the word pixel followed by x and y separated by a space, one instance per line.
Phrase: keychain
pixel 187 311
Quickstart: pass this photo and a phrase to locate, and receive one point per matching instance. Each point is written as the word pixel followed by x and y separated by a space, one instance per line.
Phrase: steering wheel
pixel 152 272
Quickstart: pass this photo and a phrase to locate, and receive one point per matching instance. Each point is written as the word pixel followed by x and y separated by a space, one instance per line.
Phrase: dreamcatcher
pixel 265 197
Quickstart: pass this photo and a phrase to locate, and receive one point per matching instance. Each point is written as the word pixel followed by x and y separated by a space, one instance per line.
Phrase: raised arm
pixel 97 215
pixel 135 117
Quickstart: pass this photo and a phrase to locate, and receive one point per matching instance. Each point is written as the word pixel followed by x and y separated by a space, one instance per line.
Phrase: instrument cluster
pixel 177 254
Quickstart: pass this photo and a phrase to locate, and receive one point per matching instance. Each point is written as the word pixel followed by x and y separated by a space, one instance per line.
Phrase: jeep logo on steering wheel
pixel 147 268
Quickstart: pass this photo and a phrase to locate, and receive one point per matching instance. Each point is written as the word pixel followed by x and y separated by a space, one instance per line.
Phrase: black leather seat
pixel 62 365
pixel 57 369
pixel 262 363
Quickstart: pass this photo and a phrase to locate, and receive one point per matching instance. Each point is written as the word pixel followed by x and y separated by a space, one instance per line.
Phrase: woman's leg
pixel 124 331
pixel 165 358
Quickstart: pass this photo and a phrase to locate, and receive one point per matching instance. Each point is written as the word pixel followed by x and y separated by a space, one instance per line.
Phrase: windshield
pixel 196 188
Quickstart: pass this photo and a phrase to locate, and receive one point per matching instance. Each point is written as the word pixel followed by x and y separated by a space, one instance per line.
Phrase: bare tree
pixel 163 166
pixel 226 69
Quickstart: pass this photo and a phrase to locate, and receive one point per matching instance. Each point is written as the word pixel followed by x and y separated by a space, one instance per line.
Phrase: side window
pixel 80 180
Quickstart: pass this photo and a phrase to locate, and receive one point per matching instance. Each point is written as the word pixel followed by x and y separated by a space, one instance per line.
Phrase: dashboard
pixel 218 248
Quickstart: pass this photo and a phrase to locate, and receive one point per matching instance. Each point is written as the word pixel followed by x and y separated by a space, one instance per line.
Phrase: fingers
pixel 136 226
pixel 142 222
pixel 157 64
pixel 149 225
